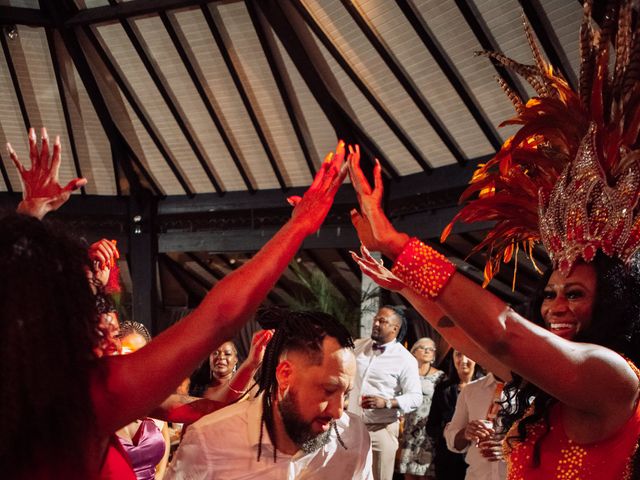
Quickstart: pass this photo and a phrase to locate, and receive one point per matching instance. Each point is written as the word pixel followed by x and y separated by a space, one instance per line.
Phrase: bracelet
pixel 423 269
pixel 239 392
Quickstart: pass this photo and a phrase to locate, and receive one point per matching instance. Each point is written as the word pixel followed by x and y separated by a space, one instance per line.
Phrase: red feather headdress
pixel 570 177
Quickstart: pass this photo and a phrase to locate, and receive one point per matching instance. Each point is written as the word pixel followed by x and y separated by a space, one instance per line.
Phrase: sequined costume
pixel 563 459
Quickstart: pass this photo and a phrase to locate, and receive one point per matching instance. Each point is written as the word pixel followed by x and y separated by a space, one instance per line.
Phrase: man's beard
pixel 299 431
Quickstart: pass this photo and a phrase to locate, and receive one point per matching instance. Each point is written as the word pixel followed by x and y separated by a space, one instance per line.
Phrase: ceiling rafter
pixel 444 62
pixel 540 23
pixel 51 42
pixel 224 135
pixel 164 93
pixel 124 88
pixel 337 280
pixel 405 81
pixel 278 76
pixel 126 157
pixel 345 126
pixel 5 176
pixel 364 90
pixel 32 17
pixel 222 48
pixel 487 42
pixel 133 8
pixel 181 275
pixel 15 80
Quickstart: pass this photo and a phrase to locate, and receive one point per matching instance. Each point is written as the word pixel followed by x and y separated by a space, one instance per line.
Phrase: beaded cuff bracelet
pixel 423 269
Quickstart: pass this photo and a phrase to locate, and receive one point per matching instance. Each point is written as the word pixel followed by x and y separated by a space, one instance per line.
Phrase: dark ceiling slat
pixel 119 146
pixel 329 271
pixel 282 89
pixel 116 173
pixel 364 90
pixel 24 16
pixel 486 41
pixel 164 93
pixel 5 176
pixel 124 88
pixel 273 296
pixel 407 84
pixel 546 36
pixel 14 80
pixel 222 48
pixel 180 275
pixel 444 62
pixel 63 99
pixel 205 99
pixel 129 9
pixel 345 126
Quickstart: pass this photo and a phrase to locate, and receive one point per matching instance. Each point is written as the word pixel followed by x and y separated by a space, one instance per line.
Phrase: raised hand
pixel 259 344
pixel 103 255
pixel 377 271
pixel 41 192
pixel 311 209
pixel 374 228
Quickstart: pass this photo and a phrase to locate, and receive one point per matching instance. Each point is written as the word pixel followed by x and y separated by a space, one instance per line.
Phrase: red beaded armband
pixel 423 269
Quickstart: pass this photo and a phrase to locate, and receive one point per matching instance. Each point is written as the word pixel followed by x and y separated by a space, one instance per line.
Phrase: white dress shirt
pixel 473 404
pixel 389 374
pixel 224 445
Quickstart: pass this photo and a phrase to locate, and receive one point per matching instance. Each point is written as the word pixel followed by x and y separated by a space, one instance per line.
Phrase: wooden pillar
pixel 143 254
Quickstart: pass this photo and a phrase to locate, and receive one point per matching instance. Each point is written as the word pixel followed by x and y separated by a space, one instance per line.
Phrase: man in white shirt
pixel 471 429
pixel 387 384
pixel 296 428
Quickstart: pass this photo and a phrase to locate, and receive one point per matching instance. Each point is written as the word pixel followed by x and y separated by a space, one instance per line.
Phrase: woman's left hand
pixel 258 346
pixel 41 192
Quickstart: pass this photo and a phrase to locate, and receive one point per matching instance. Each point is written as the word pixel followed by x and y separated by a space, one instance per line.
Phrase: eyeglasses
pixel 426 349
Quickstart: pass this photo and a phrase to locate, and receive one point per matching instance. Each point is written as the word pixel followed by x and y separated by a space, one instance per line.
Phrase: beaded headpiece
pixel 570 177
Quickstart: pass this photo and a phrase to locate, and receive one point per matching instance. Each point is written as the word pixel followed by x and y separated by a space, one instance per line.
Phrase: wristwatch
pixel 387 403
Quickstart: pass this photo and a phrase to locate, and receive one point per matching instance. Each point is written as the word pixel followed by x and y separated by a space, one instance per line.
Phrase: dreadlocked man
pixel 297 426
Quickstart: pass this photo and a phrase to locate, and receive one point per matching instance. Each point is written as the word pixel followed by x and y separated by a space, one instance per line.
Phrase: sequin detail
pixel 423 269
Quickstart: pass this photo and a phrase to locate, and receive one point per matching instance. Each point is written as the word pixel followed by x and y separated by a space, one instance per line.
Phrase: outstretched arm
pixel 486 321
pixel 41 192
pixel 127 387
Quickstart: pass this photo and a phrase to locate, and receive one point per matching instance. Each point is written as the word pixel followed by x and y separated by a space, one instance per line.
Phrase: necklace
pixel 428 371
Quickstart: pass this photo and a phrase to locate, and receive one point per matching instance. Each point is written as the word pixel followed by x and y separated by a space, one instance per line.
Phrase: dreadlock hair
pixel 48 328
pixel 615 324
pixel 400 311
pixel 302 332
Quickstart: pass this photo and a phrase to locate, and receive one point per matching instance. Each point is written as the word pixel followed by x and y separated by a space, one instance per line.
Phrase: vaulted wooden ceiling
pixel 193 120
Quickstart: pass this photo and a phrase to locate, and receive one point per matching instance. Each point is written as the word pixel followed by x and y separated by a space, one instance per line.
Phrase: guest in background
pixel 228 382
pixel 416 448
pixel 387 384
pixel 472 429
pixel 462 370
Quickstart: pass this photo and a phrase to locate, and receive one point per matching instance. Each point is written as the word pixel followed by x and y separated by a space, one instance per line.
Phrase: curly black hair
pixel 295 331
pixel 48 328
pixel 615 324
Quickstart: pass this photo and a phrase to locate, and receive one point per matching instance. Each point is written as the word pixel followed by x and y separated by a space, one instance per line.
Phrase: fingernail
pixel 32 134
pixel 57 142
pixel 9 148
pixel 353 212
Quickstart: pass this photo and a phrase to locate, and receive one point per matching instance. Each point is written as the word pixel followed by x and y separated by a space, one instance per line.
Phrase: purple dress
pixel 145 449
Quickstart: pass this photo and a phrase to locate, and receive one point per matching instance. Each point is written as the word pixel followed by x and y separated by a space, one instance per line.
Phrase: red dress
pixel 562 458
pixel 116 465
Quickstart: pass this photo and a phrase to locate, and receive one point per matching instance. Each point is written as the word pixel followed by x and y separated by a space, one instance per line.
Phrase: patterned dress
pixel 416 449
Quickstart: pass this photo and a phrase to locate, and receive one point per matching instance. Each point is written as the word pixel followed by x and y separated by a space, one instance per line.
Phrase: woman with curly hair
pixel 60 403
